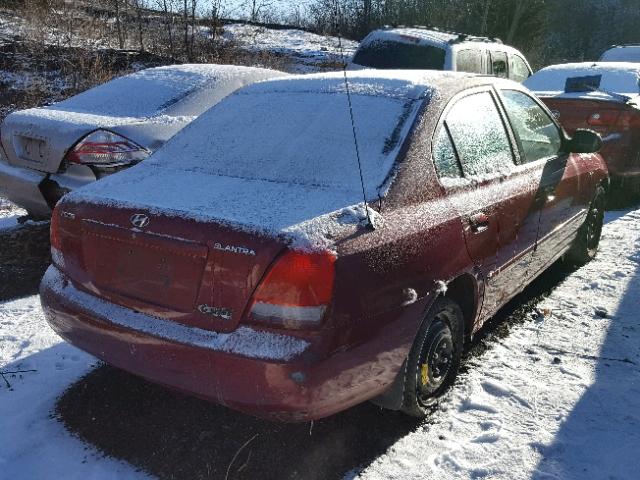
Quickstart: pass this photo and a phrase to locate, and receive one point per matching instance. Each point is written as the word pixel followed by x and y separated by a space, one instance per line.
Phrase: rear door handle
pixel 479 222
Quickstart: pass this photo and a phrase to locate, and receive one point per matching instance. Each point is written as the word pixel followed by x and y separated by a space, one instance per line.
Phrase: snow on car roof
pixel 596 79
pixel 141 95
pixel 411 35
pixel 276 156
pixel 622 53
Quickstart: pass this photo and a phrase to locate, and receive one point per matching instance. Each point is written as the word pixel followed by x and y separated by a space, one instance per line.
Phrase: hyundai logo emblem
pixel 139 220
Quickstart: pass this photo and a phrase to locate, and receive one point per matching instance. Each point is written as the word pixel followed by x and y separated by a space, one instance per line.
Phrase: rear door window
pixel 469 61
pixel 518 69
pixel 444 156
pixel 387 54
pixel 538 135
pixel 479 135
pixel 499 64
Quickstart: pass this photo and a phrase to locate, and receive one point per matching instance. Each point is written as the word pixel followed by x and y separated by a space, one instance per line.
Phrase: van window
pixel 479 135
pixel 518 69
pixel 538 135
pixel 499 64
pixel 469 61
pixel 387 54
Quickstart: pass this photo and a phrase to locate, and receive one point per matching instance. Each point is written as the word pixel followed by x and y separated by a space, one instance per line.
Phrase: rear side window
pixel 469 61
pixel 518 69
pixel 479 135
pixel 537 134
pixel 444 156
pixel 499 64
pixel 387 54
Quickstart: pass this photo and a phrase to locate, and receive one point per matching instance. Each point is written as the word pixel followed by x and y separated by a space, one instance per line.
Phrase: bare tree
pixel 116 5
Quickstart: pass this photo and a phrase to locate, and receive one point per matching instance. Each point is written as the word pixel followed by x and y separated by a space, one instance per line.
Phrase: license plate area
pixel 31 149
pixel 145 268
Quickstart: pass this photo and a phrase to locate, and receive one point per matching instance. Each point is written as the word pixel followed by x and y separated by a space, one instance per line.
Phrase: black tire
pixel 585 246
pixel 434 359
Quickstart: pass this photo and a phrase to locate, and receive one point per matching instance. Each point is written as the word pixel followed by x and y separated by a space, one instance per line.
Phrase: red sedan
pixel 239 264
pixel 604 97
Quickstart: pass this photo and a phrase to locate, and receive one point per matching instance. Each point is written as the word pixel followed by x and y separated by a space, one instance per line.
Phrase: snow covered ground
pixel 558 398
pixel 9 214
pixel 308 52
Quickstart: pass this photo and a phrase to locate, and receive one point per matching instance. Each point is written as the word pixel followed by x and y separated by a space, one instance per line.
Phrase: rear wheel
pixel 585 246
pixel 434 360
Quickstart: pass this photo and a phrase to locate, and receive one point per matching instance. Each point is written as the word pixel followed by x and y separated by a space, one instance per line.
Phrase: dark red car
pixel 604 97
pixel 238 262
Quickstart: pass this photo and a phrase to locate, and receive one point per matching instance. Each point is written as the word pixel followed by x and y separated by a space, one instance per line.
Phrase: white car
pixel 421 48
pixel 50 151
pixel 622 53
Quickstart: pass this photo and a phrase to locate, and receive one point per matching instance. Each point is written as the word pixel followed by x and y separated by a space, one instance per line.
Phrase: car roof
pixel 595 66
pixel 426 36
pixel 374 82
pixel 617 53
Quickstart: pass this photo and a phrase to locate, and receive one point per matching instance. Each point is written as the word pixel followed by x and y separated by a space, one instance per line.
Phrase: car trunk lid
pixel 601 116
pixel 197 273
pixel 39 139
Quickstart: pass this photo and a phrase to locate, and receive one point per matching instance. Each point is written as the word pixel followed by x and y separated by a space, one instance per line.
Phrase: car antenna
pixel 370 223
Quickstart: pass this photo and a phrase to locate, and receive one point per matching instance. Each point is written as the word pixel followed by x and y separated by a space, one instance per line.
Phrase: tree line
pixel 547 31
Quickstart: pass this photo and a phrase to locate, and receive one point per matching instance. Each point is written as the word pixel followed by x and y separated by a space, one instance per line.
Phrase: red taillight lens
pixel 296 292
pixel 54 232
pixel 107 149
pixel 56 239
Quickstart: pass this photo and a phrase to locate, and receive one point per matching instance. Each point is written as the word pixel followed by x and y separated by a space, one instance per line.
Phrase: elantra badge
pixel 139 220
pixel 234 249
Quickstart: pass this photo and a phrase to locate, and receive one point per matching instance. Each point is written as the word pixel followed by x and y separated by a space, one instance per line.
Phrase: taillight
pixel 296 291
pixel 105 148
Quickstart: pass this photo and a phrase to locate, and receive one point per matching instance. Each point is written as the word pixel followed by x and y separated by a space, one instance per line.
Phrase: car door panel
pixel 485 193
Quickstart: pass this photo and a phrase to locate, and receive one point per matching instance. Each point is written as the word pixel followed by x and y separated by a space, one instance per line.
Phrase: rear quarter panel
pixel 386 279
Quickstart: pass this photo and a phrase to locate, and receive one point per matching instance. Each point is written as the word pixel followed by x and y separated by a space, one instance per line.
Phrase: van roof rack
pixel 463 37
pixel 460 37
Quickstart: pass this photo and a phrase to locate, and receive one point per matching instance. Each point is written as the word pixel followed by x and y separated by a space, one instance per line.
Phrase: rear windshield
pixel 388 54
pixel 294 137
pixel 142 94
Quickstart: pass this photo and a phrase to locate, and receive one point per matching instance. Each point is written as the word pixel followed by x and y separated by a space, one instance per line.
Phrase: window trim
pixel 521 157
pixel 515 151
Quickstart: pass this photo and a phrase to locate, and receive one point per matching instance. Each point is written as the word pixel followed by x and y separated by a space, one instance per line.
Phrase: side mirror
pixel 584 141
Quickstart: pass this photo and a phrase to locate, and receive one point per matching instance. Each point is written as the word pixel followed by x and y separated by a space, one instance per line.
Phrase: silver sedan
pixel 47 152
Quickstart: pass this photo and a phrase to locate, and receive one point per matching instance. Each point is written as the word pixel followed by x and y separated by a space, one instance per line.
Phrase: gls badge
pixel 224 313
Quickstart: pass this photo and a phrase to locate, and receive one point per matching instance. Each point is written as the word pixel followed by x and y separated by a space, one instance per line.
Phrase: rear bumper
pixel 260 373
pixel 22 187
pixel 37 192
